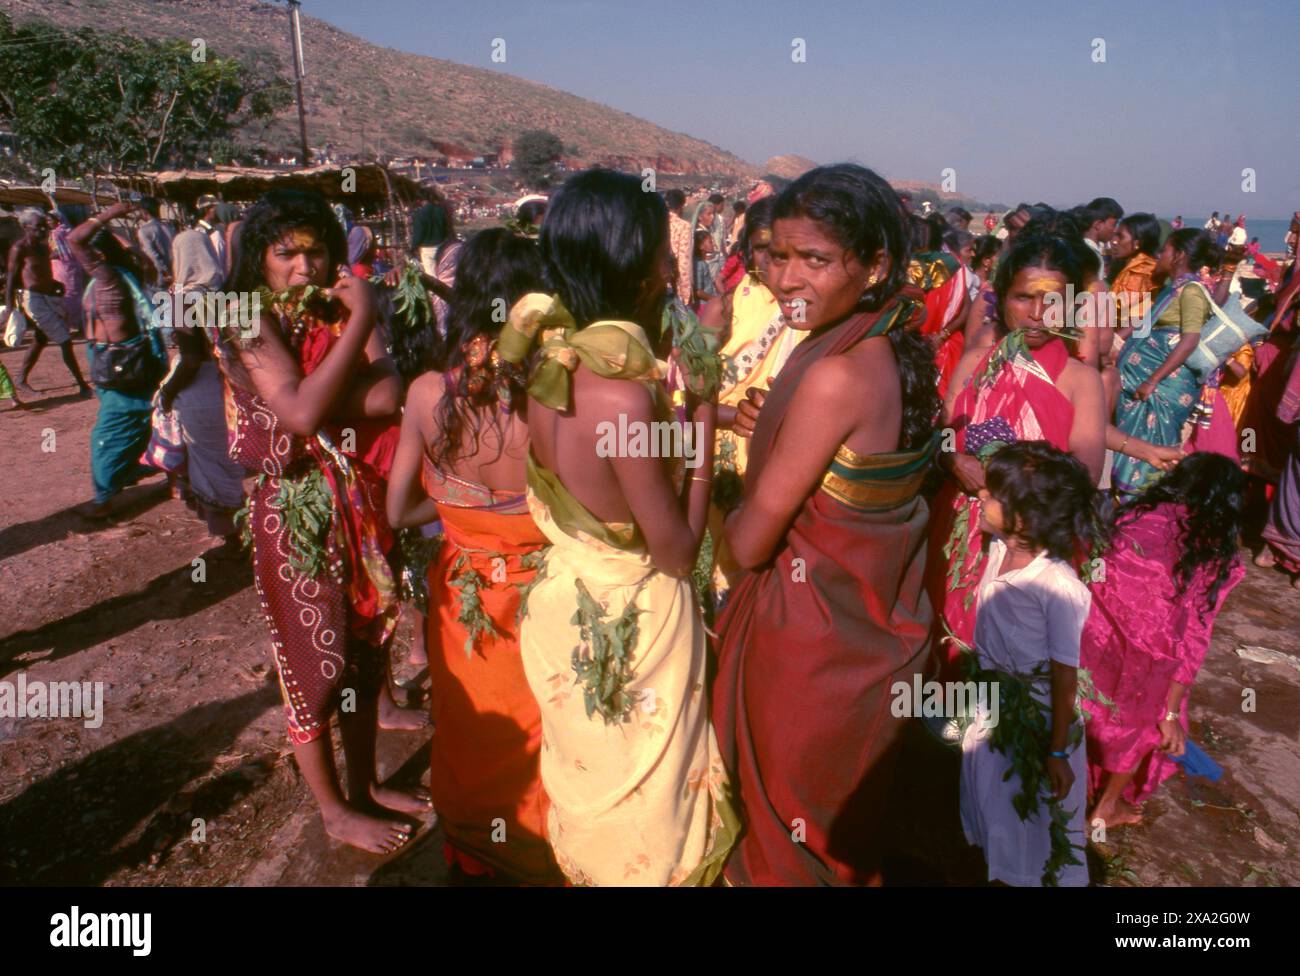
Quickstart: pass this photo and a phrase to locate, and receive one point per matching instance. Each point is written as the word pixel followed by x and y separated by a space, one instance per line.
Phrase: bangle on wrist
pixel 1059 754
pixel 707 481
pixel 1171 716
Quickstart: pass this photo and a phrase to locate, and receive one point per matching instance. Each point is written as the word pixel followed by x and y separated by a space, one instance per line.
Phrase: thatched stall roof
pixel 377 191
pixel 13 196
pixel 374 183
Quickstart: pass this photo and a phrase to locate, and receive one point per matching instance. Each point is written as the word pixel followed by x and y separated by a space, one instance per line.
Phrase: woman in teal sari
pixel 1158 390
pixel 117 314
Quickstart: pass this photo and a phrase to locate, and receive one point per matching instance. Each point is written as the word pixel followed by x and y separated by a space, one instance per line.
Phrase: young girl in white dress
pixel 1037 505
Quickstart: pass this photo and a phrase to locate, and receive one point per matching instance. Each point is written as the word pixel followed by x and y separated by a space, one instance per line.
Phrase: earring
pixel 873 280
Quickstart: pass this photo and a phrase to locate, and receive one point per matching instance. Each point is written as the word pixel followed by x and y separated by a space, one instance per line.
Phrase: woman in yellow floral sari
pixel 612 638
pixel 757 342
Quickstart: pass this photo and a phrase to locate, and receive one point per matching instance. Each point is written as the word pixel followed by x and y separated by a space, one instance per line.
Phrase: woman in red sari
pixel 1025 387
pixel 310 395
pixel 831 530
pixel 944 278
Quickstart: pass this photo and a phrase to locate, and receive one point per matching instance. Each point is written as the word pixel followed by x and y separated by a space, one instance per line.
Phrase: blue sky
pixel 1005 93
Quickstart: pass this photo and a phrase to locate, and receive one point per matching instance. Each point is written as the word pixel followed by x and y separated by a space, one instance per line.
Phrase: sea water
pixel 1271 233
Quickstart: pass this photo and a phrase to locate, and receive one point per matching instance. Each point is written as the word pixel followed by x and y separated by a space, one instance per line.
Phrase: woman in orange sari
pixel 462 457
pixel 1132 268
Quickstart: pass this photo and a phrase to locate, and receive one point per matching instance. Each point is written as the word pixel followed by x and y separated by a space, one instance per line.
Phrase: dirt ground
pixel 193 727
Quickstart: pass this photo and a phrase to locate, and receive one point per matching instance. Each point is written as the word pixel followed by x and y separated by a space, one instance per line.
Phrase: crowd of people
pixel 1024 460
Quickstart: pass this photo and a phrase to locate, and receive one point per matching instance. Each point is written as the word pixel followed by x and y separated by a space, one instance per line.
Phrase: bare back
pixel 497 441
pixel 34 268
pixel 566 443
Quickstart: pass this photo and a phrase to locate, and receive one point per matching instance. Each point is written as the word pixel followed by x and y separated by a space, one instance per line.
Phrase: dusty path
pixel 193 726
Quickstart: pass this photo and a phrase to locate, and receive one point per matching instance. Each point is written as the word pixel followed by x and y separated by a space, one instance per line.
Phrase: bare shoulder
pixel 844 377
pixel 604 394
pixel 426 390
pixel 1079 378
pixel 838 374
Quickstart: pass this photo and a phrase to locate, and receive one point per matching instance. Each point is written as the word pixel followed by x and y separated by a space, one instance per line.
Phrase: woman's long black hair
pixel 864 215
pixel 1199 247
pixel 1211 490
pixel 411 338
pixel 495 269
pixel 1145 230
pixel 600 243
pixel 757 217
pixel 273 216
pixel 1047 497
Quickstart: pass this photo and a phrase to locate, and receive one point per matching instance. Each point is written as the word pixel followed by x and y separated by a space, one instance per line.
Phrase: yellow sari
pixel 639 794
pixel 759 345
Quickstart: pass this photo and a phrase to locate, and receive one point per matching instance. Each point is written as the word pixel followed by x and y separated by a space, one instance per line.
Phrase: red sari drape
pixel 810 647
pixel 1022 393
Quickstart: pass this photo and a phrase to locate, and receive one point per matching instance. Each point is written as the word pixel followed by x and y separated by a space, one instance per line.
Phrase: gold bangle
pixel 1123 445
pixel 696 477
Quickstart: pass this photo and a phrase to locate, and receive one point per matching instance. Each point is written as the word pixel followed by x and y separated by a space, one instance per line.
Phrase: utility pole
pixel 299 72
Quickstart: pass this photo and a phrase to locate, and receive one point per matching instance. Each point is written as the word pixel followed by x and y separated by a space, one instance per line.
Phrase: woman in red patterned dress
pixel 310 392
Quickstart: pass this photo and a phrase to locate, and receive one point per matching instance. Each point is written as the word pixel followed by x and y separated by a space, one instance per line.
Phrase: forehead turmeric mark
pixel 301 239
pixel 1042 283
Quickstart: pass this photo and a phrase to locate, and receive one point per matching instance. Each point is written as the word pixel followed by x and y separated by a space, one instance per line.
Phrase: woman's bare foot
pixel 1295 581
pixel 395 718
pixel 229 549
pixel 416 802
pixel 1265 558
pixel 1118 815
pixel 379 835
pixel 94 510
pixel 418 655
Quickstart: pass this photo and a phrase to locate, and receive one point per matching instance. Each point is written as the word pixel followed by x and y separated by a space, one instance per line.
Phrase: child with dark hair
pixel 1171 563
pixel 705 285
pixel 1038 504
pixel 1025 386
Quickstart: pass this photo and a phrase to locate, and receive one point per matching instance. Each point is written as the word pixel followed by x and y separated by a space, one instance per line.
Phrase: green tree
pixel 536 153
pixel 87 102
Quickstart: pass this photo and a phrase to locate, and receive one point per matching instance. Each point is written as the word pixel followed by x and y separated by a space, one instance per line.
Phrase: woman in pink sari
pixel 1170 565
pixel 1025 387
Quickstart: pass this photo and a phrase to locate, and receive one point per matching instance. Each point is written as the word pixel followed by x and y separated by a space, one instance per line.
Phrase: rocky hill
pixel 788 166
pixel 367 100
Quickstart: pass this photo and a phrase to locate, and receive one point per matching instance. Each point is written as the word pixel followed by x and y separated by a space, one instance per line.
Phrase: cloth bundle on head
pixel 30 217
pixel 360 241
